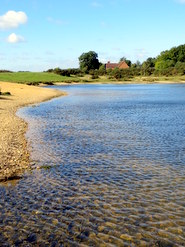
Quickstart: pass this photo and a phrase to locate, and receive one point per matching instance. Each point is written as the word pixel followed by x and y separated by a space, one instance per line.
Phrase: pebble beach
pixel 14 156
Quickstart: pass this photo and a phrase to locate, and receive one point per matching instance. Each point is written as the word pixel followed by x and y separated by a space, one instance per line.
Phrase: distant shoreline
pixel 14 155
pixel 121 82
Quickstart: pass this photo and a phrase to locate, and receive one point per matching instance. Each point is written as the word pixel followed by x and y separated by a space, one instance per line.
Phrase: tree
pixel 150 62
pixel 89 61
pixel 180 68
pixel 169 58
pixel 164 64
pixel 148 66
pixel 102 69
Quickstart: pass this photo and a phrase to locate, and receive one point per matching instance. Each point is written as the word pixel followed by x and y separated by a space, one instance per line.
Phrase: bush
pixel 33 83
pixel 5 71
pixel 49 83
pixel 6 93
pixel 65 72
pixel 102 70
pixel 94 77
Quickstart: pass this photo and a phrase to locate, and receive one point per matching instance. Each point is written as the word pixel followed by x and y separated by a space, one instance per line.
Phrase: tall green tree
pixel 89 61
pixel 169 58
pixel 148 66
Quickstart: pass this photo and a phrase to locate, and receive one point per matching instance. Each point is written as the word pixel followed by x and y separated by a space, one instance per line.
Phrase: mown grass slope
pixel 35 77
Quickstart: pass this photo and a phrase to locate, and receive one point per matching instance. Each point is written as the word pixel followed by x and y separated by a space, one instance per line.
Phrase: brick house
pixel 120 65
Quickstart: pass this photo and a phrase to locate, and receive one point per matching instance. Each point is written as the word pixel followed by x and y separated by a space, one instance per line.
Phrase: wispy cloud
pixel 12 19
pixel 103 24
pixel 181 1
pixel 96 4
pixel 141 54
pixel 14 38
pixel 2 56
pixel 116 49
pixel 56 21
pixel 49 53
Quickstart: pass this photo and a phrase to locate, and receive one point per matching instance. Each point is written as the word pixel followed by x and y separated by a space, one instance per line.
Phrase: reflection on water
pixel 112 162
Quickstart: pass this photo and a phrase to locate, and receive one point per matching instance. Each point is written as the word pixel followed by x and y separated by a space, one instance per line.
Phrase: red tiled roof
pixel 121 65
pixel 111 65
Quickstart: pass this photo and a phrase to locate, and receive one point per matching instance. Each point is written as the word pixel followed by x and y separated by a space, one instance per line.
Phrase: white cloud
pixel 96 4
pixel 12 19
pixel 13 38
pixel 56 21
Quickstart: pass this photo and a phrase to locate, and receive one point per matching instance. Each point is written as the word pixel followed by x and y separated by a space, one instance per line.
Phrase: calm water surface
pixel 112 161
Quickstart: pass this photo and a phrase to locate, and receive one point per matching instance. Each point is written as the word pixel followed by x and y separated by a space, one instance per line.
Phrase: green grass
pixel 35 77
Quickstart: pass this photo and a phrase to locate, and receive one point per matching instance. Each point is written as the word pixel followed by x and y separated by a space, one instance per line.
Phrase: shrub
pixel 5 93
pixel 49 83
pixel 5 71
pixel 94 74
pixel 102 70
pixel 94 77
pixel 33 83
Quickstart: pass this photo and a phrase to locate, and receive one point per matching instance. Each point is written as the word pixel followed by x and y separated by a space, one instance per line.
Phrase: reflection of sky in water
pixel 117 153
pixel 99 119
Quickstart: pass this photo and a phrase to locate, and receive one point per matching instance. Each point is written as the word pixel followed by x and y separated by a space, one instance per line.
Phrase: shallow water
pixel 112 161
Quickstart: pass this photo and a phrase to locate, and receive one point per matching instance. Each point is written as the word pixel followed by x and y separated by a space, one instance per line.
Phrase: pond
pixel 109 170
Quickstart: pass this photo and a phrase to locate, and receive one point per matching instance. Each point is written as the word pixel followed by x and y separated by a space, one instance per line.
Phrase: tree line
pixel 167 63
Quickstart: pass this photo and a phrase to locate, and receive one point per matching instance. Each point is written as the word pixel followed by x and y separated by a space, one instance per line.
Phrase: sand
pixel 14 155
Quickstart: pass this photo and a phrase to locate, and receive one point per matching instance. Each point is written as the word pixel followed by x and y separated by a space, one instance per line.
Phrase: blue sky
pixel 36 35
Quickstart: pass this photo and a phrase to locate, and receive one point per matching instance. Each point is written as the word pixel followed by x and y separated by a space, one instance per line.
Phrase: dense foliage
pixel 64 72
pixel 89 61
pixel 171 62
pixel 168 63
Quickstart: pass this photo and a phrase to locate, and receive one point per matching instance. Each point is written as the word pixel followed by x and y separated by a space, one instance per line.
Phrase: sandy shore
pixel 14 156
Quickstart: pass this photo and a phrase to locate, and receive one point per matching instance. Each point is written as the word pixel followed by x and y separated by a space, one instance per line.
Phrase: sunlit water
pixel 112 162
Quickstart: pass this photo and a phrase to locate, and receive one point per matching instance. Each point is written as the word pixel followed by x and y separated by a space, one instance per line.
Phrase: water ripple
pixel 110 170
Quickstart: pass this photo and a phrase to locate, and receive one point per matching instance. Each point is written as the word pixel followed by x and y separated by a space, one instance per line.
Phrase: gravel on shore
pixel 14 155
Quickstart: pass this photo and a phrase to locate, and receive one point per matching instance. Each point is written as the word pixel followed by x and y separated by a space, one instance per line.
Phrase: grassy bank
pixel 35 78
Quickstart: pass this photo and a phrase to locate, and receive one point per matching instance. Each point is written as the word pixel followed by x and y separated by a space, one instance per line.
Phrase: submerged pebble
pixel 112 170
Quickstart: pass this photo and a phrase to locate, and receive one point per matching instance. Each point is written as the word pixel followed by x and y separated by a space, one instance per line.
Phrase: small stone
pixel 139 236
pixel 92 235
pixel 101 228
pixel 110 224
pixel 126 237
pixel 55 222
pixel 143 243
pixel 37 212
pixel 104 237
pixel 32 238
